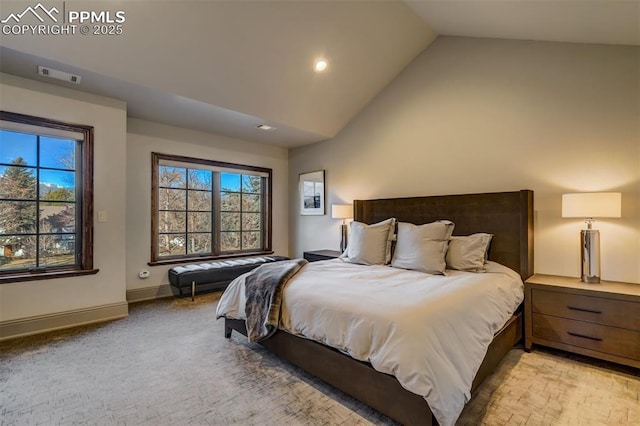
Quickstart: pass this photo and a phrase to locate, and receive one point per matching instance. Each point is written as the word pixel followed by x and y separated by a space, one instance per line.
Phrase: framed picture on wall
pixel 311 187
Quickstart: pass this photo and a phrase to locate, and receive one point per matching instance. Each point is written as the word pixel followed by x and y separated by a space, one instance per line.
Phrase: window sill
pixel 208 258
pixel 47 275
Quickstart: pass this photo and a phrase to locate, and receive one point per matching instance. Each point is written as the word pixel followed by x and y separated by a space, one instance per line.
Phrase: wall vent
pixel 59 75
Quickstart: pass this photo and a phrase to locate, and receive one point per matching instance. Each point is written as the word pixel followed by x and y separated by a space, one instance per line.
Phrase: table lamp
pixel 344 212
pixel 589 205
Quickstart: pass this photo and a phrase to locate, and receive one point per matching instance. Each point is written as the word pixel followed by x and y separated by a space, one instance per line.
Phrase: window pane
pixel 18 182
pixel 251 184
pixel 57 217
pixel 251 240
pixel 200 200
pixel 171 199
pixel 230 201
pixel 172 177
pixel 230 182
pixel 199 222
pixel 229 221
pixel 251 221
pixel 172 221
pixel 57 153
pixel 17 148
pixel 171 244
pixel 17 252
pixel 199 179
pixel 53 193
pixel 57 250
pixel 199 243
pixel 229 241
pixel 251 203
pixel 18 217
pixel 57 185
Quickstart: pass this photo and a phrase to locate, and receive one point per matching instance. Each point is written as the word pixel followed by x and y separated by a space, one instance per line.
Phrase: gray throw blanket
pixel 263 290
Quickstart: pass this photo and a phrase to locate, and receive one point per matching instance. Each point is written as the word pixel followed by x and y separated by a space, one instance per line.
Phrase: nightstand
pixel 598 320
pixel 316 255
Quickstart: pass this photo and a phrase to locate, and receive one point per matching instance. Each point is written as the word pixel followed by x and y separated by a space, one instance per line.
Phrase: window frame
pixel 84 235
pixel 156 259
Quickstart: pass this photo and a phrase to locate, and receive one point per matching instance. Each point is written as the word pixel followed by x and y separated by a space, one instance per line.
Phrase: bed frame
pixel 506 215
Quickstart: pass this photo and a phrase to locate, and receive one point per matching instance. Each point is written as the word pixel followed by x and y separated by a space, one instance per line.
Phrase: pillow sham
pixel 422 247
pixel 370 244
pixel 468 253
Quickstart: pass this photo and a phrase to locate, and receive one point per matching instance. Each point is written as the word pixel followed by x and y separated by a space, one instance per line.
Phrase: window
pixel 208 209
pixel 45 198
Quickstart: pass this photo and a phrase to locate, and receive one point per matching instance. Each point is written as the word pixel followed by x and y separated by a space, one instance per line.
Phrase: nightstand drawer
pixel 611 340
pixel 615 313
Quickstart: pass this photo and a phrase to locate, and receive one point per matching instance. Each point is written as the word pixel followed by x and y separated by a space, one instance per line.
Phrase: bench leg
pixel 227 332
pixel 193 291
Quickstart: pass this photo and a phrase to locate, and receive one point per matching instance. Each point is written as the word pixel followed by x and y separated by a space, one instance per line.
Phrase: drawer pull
pixel 597 339
pixel 591 311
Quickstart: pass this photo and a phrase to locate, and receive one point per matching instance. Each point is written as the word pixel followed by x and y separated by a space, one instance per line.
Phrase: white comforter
pixel 431 332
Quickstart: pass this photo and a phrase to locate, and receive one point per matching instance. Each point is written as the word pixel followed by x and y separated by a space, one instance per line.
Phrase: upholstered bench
pixel 213 275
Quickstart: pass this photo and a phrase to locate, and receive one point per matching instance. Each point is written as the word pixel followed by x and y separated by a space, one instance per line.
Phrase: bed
pixel 506 215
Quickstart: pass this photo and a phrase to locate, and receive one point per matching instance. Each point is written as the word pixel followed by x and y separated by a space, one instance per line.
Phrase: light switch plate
pixel 102 215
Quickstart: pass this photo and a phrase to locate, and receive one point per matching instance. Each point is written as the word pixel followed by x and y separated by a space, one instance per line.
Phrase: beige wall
pixel 146 137
pixel 108 116
pixel 482 115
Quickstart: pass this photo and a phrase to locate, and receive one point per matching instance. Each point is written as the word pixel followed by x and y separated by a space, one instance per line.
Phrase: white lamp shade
pixel 592 204
pixel 341 211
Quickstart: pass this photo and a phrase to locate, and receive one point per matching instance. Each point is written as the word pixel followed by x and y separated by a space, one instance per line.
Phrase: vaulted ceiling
pixel 225 67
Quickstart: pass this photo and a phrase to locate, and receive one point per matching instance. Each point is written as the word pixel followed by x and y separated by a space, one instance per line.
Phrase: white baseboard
pixel 44 323
pixel 149 293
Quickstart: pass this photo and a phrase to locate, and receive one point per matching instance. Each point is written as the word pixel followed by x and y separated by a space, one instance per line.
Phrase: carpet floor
pixel 168 363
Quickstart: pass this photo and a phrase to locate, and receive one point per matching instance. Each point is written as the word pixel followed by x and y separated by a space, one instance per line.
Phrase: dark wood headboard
pixel 506 215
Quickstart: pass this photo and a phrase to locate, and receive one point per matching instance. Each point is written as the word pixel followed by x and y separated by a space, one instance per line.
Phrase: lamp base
pixel 343 240
pixel 590 254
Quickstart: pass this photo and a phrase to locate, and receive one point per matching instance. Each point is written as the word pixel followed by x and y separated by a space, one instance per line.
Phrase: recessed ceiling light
pixel 320 65
pixel 265 127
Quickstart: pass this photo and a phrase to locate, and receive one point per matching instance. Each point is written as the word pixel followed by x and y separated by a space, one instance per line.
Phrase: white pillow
pixel 422 247
pixel 469 253
pixel 370 244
